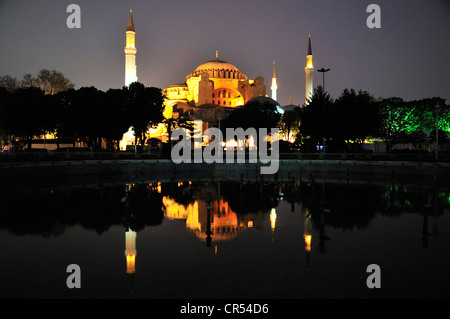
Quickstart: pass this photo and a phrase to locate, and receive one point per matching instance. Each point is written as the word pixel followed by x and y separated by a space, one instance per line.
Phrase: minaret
pixel 307 235
pixel 274 83
pixel 130 251
pixel 130 53
pixel 309 70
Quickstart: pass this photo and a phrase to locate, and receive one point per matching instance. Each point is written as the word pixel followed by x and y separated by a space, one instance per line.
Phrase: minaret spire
pixel 130 53
pixel 130 26
pixel 274 83
pixel 309 44
pixel 309 70
pixel 217 56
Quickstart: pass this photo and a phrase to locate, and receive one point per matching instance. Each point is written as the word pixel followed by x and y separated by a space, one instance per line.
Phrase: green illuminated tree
pixel 407 122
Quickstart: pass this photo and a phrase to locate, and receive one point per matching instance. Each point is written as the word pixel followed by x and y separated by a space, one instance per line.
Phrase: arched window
pixel 218 94
pixel 213 95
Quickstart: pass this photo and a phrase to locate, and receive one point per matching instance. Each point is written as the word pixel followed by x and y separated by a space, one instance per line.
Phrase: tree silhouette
pixel 144 108
pixel 316 118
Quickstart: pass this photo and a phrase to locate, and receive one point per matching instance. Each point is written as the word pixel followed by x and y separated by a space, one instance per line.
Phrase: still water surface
pixel 236 240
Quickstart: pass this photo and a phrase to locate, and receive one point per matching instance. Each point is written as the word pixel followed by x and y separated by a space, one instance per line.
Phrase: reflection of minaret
pixel 307 235
pixel 130 53
pixel 130 251
pixel 273 219
pixel 208 220
pixel 274 83
pixel 309 70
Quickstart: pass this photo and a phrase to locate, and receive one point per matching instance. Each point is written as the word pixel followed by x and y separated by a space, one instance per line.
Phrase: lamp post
pixel 436 147
pixel 322 70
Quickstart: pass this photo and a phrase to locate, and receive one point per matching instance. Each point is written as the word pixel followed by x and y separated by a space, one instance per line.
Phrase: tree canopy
pixel 86 115
pixel 254 114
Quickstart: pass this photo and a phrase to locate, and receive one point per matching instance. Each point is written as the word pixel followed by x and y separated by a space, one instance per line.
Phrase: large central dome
pixel 216 65
pixel 218 69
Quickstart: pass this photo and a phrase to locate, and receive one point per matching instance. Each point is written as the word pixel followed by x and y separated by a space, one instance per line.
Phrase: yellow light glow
pixel 273 218
pixel 309 62
pixel 127 139
pixel 158 188
pixel 131 264
pixel 307 242
pixel 250 224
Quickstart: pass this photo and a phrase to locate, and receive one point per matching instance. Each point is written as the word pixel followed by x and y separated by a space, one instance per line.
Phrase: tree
pixel 256 114
pixel 4 97
pixel 51 82
pixel 316 118
pixel 9 83
pixel 405 122
pixel 114 121
pixel 290 121
pixel 81 115
pixel 27 113
pixel 144 109
pixel 354 118
pixel 183 121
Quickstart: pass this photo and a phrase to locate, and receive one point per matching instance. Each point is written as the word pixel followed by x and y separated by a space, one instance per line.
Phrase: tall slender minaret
pixel 130 251
pixel 309 70
pixel 130 53
pixel 274 83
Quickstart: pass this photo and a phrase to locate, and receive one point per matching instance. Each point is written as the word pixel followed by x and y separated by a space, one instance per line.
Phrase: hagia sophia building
pixel 213 90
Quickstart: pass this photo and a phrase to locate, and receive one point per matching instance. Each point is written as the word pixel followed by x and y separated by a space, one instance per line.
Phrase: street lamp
pixel 322 70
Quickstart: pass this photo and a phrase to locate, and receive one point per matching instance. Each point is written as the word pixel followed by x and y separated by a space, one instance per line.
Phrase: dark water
pixel 227 240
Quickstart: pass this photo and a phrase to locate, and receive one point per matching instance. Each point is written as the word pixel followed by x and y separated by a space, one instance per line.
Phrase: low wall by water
pixel 17 178
pixel 287 169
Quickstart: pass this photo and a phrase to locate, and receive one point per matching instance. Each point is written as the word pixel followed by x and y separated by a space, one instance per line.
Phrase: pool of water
pixel 229 239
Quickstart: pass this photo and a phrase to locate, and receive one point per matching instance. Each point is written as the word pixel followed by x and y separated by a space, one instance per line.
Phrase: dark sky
pixel 408 57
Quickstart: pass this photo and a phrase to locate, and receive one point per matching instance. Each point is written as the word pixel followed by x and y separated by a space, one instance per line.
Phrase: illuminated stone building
pixel 212 90
pixel 216 83
pixel 215 221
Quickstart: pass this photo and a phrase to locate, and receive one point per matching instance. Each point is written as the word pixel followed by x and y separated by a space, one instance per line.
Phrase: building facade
pixel 214 84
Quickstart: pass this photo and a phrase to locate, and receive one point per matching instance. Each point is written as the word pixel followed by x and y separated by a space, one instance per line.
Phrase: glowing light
pixel 131 264
pixel 127 139
pixel 250 224
pixel 232 143
pixel 273 218
pixel 158 188
pixel 307 242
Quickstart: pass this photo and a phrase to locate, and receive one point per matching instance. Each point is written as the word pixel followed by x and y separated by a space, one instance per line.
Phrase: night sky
pixel 408 57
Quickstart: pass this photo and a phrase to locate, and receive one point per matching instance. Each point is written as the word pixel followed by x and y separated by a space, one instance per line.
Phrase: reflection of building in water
pixel 130 251
pixel 273 218
pixel 221 223
pixel 307 234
